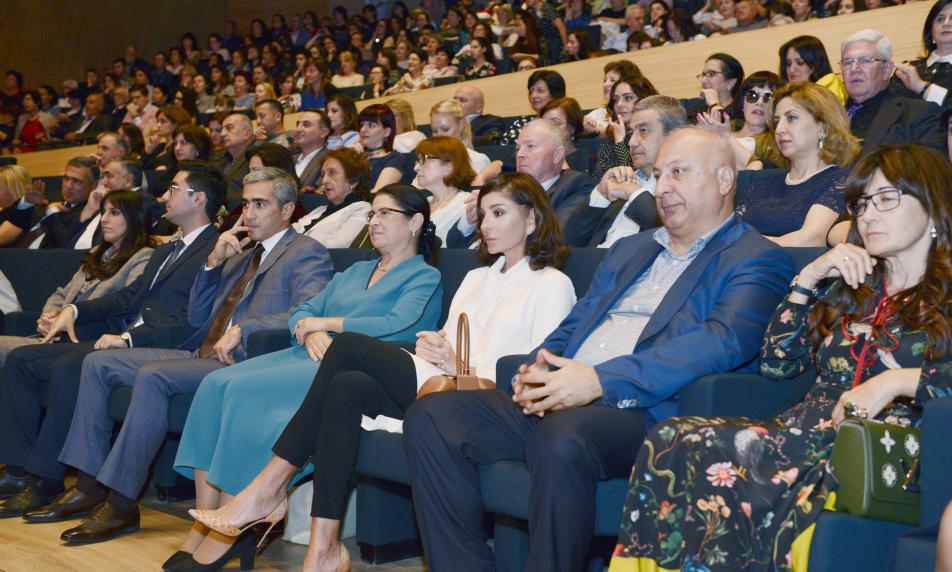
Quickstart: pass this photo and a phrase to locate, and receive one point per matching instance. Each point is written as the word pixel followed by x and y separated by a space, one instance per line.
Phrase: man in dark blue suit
pixel 664 308
pixel 540 153
pixel 152 311
pixel 234 295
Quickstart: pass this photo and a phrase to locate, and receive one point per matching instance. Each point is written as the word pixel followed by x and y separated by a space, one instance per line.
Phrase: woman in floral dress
pixel 735 493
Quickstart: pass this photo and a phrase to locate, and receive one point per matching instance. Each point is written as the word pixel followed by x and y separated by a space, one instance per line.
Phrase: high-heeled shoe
pixel 244 547
pixel 344 565
pixel 214 521
pixel 179 555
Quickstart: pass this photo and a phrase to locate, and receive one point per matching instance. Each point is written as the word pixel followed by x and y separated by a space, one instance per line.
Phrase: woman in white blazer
pixel 345 181
pixel 513 303
pixel 443 169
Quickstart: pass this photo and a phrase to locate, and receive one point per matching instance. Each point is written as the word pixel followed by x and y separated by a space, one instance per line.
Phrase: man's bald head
pixel 695 186
pixel 470 98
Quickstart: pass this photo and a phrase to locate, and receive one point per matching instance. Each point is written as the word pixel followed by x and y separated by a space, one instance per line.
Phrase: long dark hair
pixel 922 174
pixel 546 245
pixel 732 70
pixel 132 207
pixel 413 200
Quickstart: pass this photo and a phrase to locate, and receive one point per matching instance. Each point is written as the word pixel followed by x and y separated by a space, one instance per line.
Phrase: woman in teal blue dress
pixel 239 411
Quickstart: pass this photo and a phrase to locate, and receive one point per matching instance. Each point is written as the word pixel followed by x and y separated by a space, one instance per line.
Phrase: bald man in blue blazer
pixel 664 308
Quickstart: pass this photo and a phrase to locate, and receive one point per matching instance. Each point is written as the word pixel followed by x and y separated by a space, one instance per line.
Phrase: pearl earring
pixel 412 234
pixel 932 232
pixel 820 145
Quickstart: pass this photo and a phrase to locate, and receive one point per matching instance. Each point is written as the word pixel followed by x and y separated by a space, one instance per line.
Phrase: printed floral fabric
pixel 731 494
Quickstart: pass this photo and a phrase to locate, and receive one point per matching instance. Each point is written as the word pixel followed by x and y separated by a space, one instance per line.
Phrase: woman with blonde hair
pixel 797 205
pixel 408 136
pixel 15 183
pixel 264 91
pixel 447 118
pixel 347 76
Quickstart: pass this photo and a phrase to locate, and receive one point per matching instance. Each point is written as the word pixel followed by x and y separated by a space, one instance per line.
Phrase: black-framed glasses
pixel 709 74
pixel 883 201
pixel 175 188
pixel 421 159
pixel 863 62
pixel 384 213
pixel 753 96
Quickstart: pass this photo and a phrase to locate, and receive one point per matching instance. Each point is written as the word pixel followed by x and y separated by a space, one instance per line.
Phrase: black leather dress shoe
pixel 32 497
pixel 73 503
pixel 105 523
pixel 10 486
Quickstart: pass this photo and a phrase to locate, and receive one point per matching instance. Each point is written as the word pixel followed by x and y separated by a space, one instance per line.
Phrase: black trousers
pixel 447 435
pixel 359 375
pixel 30 372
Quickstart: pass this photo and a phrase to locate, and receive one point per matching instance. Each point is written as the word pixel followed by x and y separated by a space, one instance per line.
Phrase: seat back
pixel 35 274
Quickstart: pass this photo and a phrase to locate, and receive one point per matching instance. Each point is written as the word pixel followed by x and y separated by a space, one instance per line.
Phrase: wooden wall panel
pixel 52 41
pixel 671 68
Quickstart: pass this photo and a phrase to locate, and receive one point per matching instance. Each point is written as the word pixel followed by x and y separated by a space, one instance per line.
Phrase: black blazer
pixel 164 306
pixel 487 129
pixel 588 226
pixel 62 227
pixel 905 120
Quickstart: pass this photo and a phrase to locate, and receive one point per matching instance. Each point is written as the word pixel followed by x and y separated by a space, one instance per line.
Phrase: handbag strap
pixel 462 345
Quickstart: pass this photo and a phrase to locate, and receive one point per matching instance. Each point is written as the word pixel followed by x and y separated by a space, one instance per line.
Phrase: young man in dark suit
pixel 152 311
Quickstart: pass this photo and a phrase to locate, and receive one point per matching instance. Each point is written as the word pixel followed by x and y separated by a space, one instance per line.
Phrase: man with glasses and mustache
pixel 877 116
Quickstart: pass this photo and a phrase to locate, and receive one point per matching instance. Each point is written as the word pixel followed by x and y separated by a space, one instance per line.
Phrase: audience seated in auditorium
pixel 408 136
pixel 447 119
pixel 159 151
pixel 139 110
pixel 597 119
pixel 115 263
pixel 611 369
pixel 623 96
pixel 62 223
pixel 310 139
pixel 391 297
pixel 512 303
pixel 34 126
pixel 154 303
pixel 797 205
pixel 543 86
pixel 623 203
pixel 377 130
pixel 237 133
pixel 566 114
pixel 875 300
pixel 634 21
pixel 804 58
pixel 720 79
pixel 877 116
pixel 237 293
pixel 345 183
pixel 91 123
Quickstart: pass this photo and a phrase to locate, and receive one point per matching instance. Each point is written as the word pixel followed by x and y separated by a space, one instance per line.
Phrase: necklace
pixel 381 267
pixel 791 181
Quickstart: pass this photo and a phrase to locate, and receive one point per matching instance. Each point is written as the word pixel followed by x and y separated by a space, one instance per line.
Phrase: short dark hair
pixel 319 111
pixel 813 53
pixel 272 155
pixel 140 89
pixel 86 162
pixel 762 78
pixel 414 201
pixel 18 76
pixel 552 79
pixel 573 113
pixel 274 104
pixel 198 137
pixel 356 169
pixel 206 178
pixel 382 114
pixel 546 245
pixel 130 165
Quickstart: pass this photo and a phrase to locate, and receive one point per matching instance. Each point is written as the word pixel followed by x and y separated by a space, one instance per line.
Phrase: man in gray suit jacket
pixel 310 138
pixel 235 294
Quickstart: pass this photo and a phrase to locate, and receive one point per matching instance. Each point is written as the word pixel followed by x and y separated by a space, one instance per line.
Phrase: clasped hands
pixel 619 183
pixel 434 348
pixel 552 383
pixel 65 321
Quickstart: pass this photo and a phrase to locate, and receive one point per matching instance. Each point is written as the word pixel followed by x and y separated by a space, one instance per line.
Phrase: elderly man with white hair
pixel 877 116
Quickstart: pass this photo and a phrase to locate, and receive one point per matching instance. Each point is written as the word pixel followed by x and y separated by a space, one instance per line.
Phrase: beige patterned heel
pixel 212 520
pixel 344 565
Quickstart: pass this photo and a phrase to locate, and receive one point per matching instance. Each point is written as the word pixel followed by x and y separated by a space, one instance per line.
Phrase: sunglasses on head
pixel 752 96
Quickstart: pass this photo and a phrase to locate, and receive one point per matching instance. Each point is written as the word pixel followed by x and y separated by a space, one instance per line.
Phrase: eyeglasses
pixel 384 213
pixel 751 96
pixel 421 159
pixel 883 201
pixel 709 74
pixel 864 62
pixel 175 188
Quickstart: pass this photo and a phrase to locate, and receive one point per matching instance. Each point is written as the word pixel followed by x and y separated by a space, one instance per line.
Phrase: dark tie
pixel 851 110
pixel 167 267
pixel 220 323
pixel 31 236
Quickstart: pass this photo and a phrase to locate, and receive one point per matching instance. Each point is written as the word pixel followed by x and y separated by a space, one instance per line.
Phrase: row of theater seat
pixel 386 529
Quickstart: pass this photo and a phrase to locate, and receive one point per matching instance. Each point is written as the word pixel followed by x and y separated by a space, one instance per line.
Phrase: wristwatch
pixel 808 292
pixel 126 337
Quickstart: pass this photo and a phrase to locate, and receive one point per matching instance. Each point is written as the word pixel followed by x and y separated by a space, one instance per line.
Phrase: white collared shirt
pixel 936 93
pixel 623 226
pixel 304 160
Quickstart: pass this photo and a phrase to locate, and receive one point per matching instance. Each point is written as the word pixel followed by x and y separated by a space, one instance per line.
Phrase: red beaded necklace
pixel 883 316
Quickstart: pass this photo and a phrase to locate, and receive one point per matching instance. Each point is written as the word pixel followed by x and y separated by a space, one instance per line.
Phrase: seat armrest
pixel 506 367
pixel 936 459
pixel 742 394
pixel 267 341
